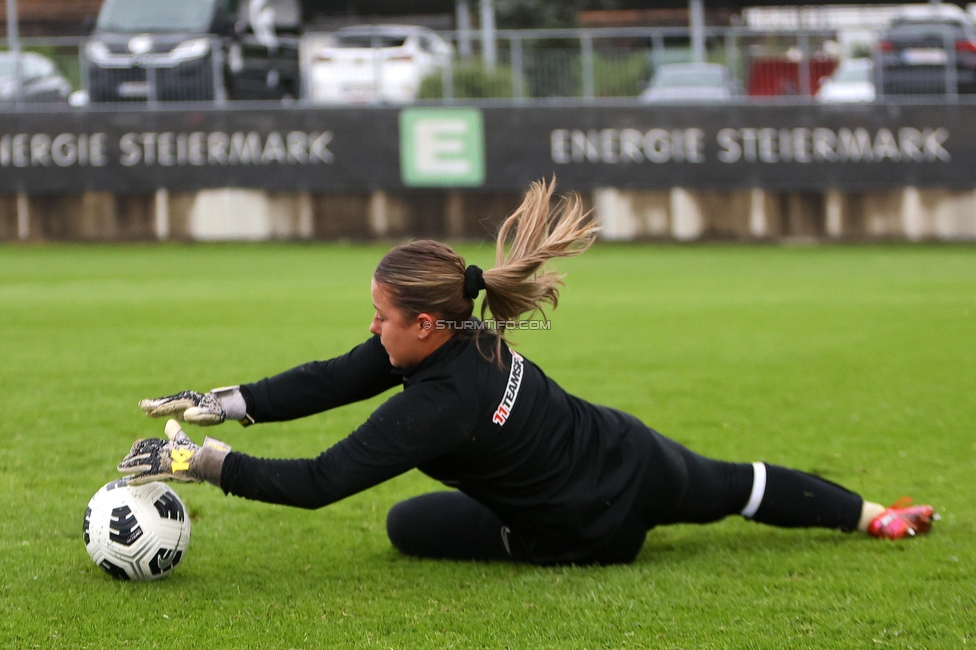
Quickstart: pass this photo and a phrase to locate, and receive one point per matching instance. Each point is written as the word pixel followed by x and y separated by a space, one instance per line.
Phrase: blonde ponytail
pixel 518 284
pixel 429 277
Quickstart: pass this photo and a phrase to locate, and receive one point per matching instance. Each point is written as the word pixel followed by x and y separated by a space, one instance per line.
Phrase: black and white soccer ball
pixel 136 532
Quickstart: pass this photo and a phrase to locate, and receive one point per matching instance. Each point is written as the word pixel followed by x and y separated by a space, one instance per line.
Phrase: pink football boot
pixel 902 520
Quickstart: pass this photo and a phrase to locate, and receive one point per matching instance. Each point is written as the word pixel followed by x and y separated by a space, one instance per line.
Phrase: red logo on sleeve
pixel 511 390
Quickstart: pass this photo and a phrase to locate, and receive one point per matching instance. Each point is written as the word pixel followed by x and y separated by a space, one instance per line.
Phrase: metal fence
pixel 623 64
pixel 541 66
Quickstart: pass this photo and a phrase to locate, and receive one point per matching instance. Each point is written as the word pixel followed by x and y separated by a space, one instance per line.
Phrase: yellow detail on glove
pixel 181 459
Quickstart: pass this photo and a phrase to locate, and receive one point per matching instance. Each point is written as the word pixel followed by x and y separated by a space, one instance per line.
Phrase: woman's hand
pixel 175 459
pixel 203 409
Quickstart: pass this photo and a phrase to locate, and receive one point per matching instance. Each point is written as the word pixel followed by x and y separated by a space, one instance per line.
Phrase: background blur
pixel 289 119
pixel 215 120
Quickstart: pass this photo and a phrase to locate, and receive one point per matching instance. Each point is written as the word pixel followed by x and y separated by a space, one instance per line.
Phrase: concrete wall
pixel 907 214
pixel 678 214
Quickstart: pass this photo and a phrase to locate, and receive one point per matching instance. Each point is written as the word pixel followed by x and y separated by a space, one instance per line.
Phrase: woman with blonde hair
pixel 538 475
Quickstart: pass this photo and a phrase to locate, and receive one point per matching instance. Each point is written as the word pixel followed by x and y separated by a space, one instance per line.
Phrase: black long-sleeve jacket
pixel 548 464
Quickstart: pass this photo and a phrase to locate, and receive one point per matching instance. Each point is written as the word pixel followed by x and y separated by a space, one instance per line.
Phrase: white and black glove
pixel 176 459
pixel 204 409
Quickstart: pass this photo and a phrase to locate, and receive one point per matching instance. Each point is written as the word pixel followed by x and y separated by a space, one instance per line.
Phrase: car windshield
pixel 853 73
pixel 6 65
pixel 909 29
pixel 369 40
pixel 32 66
pixel 688 78
pixel 128 16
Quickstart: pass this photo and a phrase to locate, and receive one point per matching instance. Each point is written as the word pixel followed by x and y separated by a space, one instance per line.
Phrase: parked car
pixel 852 81
pixel 376 63
pixel 692 83
pixel 40 80
pixel 926 50
pixel 262 59
pixel 187 50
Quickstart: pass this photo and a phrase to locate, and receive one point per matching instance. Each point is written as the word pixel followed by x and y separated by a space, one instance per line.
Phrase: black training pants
pixel 679 487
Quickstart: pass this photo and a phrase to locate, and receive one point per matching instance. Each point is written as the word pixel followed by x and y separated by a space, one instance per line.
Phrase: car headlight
pixel 98 51
pixel 192 49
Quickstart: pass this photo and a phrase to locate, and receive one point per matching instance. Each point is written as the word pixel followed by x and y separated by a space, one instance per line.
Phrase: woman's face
pixel 407 341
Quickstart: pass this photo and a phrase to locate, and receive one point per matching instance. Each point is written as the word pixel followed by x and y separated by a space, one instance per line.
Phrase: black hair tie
pixel 474 281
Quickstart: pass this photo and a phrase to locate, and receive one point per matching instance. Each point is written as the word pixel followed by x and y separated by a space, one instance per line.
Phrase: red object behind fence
pixel 775 77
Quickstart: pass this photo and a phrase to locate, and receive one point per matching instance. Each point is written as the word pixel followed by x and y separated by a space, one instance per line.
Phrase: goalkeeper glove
pixel 204 409
pixel 176 459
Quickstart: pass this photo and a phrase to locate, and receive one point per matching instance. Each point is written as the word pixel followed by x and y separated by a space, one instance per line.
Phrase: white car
pixel 375 63
pixel 851 82
pixel 692 83
pixel 40 80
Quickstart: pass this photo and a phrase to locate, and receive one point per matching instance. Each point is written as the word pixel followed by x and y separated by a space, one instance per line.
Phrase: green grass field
pixel 857 363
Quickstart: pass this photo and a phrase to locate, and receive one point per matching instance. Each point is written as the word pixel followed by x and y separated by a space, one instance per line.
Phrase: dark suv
pixel 192 50
pixel 927 55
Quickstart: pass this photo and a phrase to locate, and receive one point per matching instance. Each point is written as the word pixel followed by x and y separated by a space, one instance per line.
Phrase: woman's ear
pixel 427 323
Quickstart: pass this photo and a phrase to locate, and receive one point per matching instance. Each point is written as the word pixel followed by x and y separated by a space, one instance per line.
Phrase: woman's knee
pixel 401 526
pixel 423 525
pixel 448 525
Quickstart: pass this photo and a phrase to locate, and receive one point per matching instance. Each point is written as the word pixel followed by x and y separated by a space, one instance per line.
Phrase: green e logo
pixel 442 147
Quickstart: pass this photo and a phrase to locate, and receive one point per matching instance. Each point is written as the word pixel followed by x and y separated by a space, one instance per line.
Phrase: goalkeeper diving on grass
pixel 536 475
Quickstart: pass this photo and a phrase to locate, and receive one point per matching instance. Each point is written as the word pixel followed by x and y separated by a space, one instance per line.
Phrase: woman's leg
pixel 447 525
pixel 765 493
pixel 453 526
pixel 794 499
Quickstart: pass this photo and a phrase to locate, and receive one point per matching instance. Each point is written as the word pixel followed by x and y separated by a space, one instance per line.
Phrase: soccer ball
pixel 136 532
